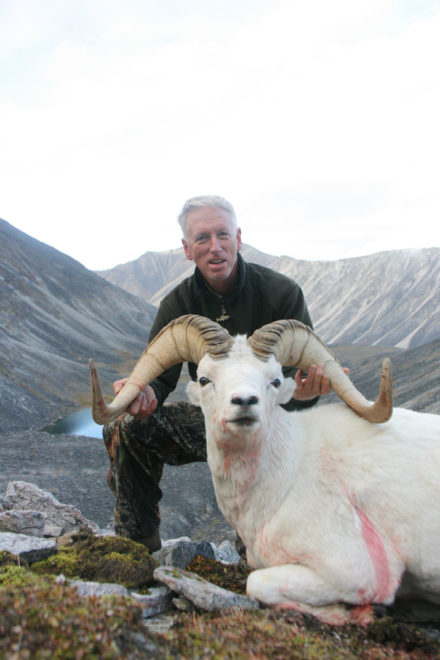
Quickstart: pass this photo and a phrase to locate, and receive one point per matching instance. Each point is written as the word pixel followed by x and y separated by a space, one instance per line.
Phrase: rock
pixel 53 531
pixel 98 588
pixel 30 523
pixel 29 548
pixel 161 623
pixel 183 604
pixel 27 496
pixel 203 594
pixel 169 542
pixel 156 601
pixel 181 553
pixel 227 553
pixel 65 539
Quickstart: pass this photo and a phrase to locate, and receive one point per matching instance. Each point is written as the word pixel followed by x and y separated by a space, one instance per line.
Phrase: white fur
pixel 331 508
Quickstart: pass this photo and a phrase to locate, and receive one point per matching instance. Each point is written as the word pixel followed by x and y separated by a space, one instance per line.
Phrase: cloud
pixel 309 114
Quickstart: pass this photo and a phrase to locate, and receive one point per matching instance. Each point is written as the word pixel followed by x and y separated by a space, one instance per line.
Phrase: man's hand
pixel 313 385
pixel 144 404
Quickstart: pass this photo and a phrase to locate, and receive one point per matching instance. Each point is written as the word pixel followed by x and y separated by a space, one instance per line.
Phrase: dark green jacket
pixel 260 296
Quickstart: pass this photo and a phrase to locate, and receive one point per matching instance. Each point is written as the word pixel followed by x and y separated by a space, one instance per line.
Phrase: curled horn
pixel 295 344
pixel 186 339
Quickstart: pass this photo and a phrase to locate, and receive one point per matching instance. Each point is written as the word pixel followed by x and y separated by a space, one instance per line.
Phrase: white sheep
pixel 337 513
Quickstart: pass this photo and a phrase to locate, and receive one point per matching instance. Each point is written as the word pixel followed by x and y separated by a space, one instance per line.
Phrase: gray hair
pixel 211 201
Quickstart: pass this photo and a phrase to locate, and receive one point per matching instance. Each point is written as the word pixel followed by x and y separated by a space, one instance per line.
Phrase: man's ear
pixel 238 239
pixel 187 249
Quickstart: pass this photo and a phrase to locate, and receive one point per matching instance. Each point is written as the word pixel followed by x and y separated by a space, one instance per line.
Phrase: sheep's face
pixel 238 394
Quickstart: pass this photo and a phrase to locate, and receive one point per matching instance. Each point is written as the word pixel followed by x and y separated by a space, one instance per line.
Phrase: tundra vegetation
pixel 43 618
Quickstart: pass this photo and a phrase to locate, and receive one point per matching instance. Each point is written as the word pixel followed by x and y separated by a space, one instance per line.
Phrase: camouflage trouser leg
pixel 138 449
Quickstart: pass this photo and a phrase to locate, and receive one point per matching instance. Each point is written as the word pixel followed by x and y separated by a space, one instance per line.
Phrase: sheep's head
pixel 190 338
pixel 239 392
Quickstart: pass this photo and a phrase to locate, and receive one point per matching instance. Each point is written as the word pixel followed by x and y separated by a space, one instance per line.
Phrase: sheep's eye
pixel 204 381
pixel 276 383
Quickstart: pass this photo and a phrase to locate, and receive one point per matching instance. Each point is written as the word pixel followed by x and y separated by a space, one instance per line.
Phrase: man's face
pixel 212 243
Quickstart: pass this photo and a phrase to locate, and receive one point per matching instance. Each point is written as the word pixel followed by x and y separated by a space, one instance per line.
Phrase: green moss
pixel 8 559
pixel 42 619
pixel 19 576
pixel 102 559
pixel 228 576
pixel 52 621
pixel 65 562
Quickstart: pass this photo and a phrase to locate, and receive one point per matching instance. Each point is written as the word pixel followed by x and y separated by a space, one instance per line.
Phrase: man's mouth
pixel 216 261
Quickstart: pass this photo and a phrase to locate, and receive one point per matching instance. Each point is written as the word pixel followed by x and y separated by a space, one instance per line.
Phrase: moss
pixel 266 634
pixel 47 620
pixel 42 619
pixel 102 559
pixel 271 634
pixel 388 632
pixel 19 576
pixel 8 559
pixel 228 576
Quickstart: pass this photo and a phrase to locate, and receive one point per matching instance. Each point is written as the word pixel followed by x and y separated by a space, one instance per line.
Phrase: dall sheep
pixel 338 506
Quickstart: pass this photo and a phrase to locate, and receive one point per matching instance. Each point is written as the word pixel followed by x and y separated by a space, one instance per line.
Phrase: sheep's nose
pixel 242 401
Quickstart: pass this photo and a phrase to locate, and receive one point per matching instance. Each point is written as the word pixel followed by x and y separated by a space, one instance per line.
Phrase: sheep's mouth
pixel 244 420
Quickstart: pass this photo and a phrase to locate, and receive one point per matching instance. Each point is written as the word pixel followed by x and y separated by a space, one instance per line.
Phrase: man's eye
pixel 204 381
pixel 276 383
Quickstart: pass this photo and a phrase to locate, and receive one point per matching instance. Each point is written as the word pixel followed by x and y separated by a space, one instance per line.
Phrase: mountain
pixel 152 275
pixel 384 299
pixel 416 373
pixel 54 315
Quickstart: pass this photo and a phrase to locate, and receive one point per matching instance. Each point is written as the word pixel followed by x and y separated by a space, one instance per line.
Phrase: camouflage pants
pixel 174 434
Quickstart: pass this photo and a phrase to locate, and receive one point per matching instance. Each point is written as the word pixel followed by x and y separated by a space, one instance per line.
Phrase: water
pixel 79 423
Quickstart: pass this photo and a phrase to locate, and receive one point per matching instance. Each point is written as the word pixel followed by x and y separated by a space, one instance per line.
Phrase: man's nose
pixel 214 244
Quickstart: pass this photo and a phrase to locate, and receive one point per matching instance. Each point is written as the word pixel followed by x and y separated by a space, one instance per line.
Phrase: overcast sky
pixel 318 120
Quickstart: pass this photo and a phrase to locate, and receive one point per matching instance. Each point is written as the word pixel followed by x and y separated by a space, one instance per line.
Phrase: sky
pixel 318 120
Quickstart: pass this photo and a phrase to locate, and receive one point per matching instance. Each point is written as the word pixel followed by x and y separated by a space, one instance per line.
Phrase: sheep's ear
pixel 285 393
pixel 193 392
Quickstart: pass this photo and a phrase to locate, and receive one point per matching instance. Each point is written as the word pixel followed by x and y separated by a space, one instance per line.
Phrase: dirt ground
pixel 74 468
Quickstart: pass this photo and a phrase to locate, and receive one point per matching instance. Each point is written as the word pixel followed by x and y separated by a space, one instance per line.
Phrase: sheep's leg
pixel 299 588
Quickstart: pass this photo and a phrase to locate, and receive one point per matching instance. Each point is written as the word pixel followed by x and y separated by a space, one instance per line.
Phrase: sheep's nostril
pixel 240 401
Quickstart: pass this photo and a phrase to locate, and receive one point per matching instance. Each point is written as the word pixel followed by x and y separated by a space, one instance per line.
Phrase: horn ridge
pixel 270 339
pixel 186 338
pixel 293 343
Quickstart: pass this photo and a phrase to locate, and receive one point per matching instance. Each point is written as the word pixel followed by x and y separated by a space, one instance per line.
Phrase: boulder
pixel 203 594
pixel 64 518
pixel 29 548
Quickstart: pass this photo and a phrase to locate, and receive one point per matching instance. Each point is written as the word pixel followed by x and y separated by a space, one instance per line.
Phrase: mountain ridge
pixel 389 298
pixel 54 315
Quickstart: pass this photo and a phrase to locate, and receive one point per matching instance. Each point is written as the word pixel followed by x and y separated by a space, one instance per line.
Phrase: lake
pixel 79 423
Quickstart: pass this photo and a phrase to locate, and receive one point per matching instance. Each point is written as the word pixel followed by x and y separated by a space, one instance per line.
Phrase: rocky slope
pixel 386 299
pixel 54 315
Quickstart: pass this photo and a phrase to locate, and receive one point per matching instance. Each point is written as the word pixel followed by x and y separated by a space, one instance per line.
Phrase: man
pixel 239 296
